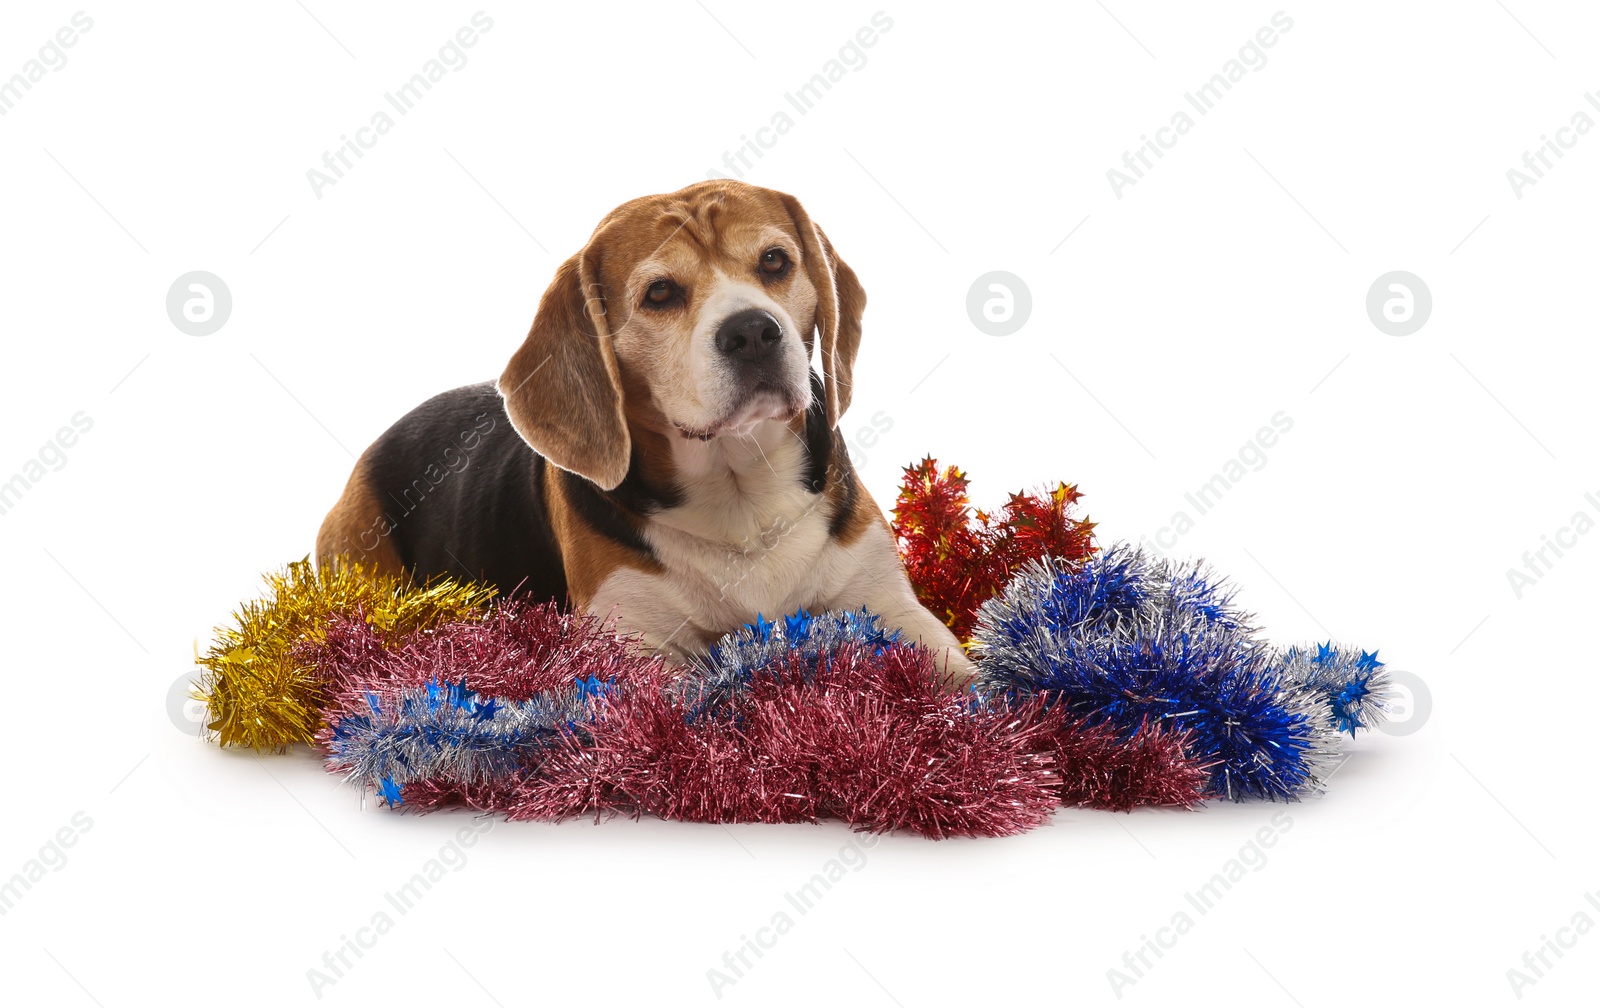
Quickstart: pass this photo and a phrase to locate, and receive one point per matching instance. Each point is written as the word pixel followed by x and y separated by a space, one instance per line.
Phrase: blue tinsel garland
pixel 447 730
pixel 711 682
pixel 1353 683
pixel 1128 639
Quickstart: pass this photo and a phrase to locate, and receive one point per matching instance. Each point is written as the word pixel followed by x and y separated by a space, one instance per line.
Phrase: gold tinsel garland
pixel 258 695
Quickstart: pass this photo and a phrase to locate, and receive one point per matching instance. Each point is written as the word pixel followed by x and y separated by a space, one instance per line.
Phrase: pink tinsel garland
pixel 866 736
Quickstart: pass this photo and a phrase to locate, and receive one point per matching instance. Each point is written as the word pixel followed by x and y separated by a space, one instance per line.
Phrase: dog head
pixel 692 313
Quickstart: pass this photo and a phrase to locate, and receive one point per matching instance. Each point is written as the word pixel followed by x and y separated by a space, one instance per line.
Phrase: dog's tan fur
pixel 357 527
pixel 589 558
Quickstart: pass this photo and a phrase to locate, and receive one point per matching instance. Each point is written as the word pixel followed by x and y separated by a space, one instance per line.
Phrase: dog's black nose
pixel 749 335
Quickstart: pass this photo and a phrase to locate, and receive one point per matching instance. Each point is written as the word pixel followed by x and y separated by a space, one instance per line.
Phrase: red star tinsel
pixel 958 557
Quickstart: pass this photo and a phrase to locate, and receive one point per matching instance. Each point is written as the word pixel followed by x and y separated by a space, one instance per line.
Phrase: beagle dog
pixel 659 449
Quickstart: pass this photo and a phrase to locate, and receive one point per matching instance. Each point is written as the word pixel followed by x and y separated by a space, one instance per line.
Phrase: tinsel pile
pixel 1107 680
pixel 958 557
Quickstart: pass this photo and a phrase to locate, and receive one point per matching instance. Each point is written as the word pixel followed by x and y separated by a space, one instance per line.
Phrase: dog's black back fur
pixel 466 495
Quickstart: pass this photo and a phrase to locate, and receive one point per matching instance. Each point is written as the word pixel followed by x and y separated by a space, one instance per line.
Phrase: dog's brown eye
pixel 774 260
pixel 660 292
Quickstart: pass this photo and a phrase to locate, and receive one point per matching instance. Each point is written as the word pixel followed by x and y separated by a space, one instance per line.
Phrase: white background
pixel 1227 285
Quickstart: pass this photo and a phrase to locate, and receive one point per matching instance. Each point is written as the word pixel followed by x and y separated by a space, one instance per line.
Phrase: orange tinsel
pixel 959 557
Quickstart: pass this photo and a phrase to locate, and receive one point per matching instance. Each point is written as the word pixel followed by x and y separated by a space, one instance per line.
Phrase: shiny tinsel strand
pixel 866 735
pixel 1123 589
pixel 798 642
pixel 468 701
pixel 1102 769
pixel 958 557
pixel 516 651
pixel 1353 683
pixel 1131 642
pixel 260 693
pixel 446 731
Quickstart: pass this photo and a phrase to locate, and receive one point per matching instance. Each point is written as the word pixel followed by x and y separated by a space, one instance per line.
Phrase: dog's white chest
pixel 747 539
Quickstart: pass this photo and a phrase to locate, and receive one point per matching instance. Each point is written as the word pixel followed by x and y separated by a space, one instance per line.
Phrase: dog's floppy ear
pixel 562 388
pixel 840 302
